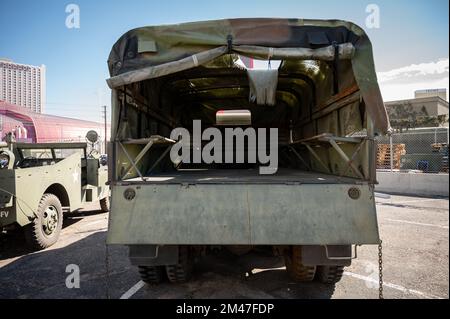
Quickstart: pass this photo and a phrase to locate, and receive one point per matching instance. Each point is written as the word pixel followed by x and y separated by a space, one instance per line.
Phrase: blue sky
pixel 410 47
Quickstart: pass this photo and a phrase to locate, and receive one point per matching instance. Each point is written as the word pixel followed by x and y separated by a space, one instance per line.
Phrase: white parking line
pixel 419 200
pixel 257 270
pixel 393 286
pixel 133 290
pixel 382 195
pixel 416 223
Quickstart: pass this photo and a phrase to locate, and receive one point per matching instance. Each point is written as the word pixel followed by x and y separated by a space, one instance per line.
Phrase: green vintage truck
pixel 41 182
pixel 323 105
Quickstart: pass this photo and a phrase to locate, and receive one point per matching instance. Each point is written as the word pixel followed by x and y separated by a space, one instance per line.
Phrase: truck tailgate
pixel 243 214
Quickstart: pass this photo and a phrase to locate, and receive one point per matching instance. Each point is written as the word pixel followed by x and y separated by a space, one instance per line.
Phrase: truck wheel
pixel 329 274
pixel 45 229
pixel 104 204
pixel 151 274
pixel 296 270
pixel 182 271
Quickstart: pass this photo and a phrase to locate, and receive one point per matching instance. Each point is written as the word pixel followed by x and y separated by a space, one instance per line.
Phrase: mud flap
pixel 153 255
pixel 318 255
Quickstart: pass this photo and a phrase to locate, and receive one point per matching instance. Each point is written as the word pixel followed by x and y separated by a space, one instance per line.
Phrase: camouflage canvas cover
pixel 307 47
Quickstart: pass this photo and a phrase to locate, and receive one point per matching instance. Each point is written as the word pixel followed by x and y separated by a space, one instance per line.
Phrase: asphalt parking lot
pixel 415 238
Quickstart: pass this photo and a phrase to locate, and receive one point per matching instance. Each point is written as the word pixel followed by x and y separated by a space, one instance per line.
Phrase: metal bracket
pixel 332 140
pixel 341 258
pixel 300 157
pixel 159 159
pixel 335 68
pixel 133 164
pixel 317 157
pixel 345 157
pixel 149 142
pixel 352 159
pixel 156 252
pixel 229 43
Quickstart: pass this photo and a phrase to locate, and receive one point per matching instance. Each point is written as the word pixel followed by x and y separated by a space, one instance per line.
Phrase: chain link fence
pixel 424 150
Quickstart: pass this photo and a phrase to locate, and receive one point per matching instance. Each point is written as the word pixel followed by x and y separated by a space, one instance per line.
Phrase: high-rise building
pixel 23 85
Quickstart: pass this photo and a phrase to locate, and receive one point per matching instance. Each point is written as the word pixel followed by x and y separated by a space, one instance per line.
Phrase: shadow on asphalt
pixel 43 275
pixel 84 213
pixel 409 206
pixel 13 244
pixel 260 275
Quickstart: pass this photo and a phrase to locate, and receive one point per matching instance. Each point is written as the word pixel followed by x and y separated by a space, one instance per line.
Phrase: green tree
pixel 404 117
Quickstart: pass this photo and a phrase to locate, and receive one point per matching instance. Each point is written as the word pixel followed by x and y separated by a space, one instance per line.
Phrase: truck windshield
pixel 60 153
pixel 37 153
pixel 64 153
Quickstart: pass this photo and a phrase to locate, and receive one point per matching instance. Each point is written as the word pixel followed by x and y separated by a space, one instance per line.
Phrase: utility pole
pixel 106 128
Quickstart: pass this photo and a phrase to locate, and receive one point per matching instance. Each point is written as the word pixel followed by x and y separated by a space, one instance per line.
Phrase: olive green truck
pixel 41 182
pixel 316 105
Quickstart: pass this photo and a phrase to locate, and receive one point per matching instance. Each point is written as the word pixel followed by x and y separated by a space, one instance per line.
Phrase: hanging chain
pixel 380 270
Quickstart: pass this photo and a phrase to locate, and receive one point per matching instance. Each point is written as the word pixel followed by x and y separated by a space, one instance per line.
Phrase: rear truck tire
pixel 45 229
pixel 296 270
pixel 329 274
pixel 152 275
pixel 182 271
pixel 104 204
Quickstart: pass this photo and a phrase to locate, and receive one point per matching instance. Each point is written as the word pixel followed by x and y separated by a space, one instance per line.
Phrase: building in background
pixel 428 109
pixel 32 127
pixel 442 93
pixel 22 85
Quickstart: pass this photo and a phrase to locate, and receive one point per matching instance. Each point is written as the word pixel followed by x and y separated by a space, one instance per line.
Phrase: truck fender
pixel 59 191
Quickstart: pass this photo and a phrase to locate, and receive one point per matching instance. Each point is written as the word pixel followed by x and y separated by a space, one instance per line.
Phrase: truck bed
pixel 244 176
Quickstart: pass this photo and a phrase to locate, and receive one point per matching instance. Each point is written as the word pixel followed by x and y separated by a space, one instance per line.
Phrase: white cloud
pixel 415 70
pixel 401 83
pixel 403 91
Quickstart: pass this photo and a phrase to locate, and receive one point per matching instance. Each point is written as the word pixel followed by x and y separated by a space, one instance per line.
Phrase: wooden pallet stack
pixel 384 155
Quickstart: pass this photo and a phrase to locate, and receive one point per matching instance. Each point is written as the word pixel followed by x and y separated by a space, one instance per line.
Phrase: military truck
pixel 41 182
pixel 322 104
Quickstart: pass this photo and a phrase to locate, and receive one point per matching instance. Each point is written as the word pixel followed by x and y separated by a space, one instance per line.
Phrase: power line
pixel 69 104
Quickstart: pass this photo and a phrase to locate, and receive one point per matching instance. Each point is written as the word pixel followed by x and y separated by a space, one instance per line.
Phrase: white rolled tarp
pixel 346 51
pixel 157 71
